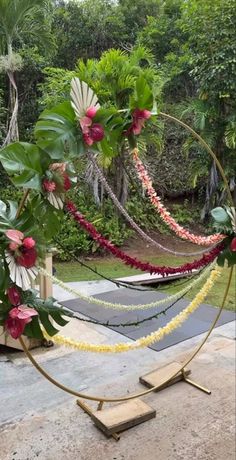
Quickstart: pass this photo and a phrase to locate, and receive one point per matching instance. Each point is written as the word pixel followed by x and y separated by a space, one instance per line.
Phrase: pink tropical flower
pixel 67 182
pixel 14 295
pixel 58 167
pixel 87 139
pixel 96 132
pixel 91 112
pixel 49 186
pixel 27 258
pixel 17 319
pixel 139 118
pixel 13 246
pixel 85 124
pixel 233 245
pixel 15 235
pixel 29 242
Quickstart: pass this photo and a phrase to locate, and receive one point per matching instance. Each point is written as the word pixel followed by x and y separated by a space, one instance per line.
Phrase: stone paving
pixel 39 421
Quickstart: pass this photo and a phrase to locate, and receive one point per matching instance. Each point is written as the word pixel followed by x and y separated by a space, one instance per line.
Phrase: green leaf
pixel 228 256
pixel 33 329
pixel 57 316
pixel 220 215
pixel 23 163
pixel 44 318
pixel 143 96
pixel 7 216
pixel 57 131
pixel 3 275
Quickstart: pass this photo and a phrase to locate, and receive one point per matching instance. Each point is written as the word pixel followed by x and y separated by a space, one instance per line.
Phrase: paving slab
pixel 189 424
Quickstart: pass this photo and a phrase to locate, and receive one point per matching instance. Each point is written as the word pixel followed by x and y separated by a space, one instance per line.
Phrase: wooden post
pixel 45 284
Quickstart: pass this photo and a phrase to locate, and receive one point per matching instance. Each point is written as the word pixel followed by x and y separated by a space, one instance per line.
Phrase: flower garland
pixel 148 340
pixel 129 219
pixel 165 215
pixel 119 306
pixel 133 262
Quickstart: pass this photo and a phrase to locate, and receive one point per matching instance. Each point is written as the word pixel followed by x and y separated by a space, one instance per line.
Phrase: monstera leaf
pixel 220 215
pixel 25 163
pixel 57 132
pixel 48 218
pixel 48 311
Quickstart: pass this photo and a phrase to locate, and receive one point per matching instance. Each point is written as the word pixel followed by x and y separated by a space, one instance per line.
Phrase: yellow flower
pixel 149 339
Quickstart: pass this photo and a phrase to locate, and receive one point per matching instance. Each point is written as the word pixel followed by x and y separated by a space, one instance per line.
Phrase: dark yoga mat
pixel 197 323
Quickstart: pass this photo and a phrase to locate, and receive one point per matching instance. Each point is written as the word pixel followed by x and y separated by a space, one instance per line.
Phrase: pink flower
pixel 29 243
pixel 17 319
pixel 91 112
pixel 14 295
pixel 15 235
pixel 233 245
pixel 49 186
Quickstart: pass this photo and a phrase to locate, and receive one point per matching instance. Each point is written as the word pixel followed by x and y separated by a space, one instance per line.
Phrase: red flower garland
pixel 132 261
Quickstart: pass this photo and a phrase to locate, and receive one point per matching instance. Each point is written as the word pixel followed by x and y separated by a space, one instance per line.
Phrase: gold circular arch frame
pixel 103 399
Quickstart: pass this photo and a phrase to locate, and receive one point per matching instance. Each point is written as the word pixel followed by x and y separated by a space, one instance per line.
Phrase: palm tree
pixel 113 78
pixel 18 19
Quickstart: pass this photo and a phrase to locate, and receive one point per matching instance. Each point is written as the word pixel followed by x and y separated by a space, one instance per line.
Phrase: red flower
pixel 67 182
pixel 17 319
pixel 94 134
pixel 132 261
pixel 233 244
pixel 29 243
pixel 49 186
pixel 27 258
pixel 14 295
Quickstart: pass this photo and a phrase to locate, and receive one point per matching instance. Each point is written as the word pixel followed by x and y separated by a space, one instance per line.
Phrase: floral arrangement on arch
pixel 44 170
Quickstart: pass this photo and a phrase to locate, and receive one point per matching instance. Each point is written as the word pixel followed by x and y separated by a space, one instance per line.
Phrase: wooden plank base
pixel 122 416
pixel 159 376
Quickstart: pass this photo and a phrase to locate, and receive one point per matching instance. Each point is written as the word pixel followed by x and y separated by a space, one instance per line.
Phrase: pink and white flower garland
pixel 165 215
pixel 132 261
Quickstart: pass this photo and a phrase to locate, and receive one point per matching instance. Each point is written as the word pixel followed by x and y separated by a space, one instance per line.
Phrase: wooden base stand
pixel 161 378
pixel 120 417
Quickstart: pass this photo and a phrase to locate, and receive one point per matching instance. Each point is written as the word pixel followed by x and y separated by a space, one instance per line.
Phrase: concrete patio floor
pixel 39 421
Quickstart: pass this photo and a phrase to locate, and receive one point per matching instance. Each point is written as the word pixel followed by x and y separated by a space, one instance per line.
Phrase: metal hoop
pixel 143 393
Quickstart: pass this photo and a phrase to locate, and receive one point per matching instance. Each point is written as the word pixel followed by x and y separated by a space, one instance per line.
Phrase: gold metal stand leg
pixel 100 405
pixel 194 384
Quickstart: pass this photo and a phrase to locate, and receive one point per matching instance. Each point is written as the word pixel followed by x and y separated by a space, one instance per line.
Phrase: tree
pixel 211 47
pixel 18 19
pixel 86 29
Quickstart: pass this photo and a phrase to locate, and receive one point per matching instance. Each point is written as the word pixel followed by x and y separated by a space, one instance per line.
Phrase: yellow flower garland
pixel 118 306
pixel 149 339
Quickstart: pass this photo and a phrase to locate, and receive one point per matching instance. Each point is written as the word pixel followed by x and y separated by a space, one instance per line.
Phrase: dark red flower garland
pixel 133 262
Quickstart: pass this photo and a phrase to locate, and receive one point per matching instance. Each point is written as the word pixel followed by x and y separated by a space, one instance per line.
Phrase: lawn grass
pixel 72 271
